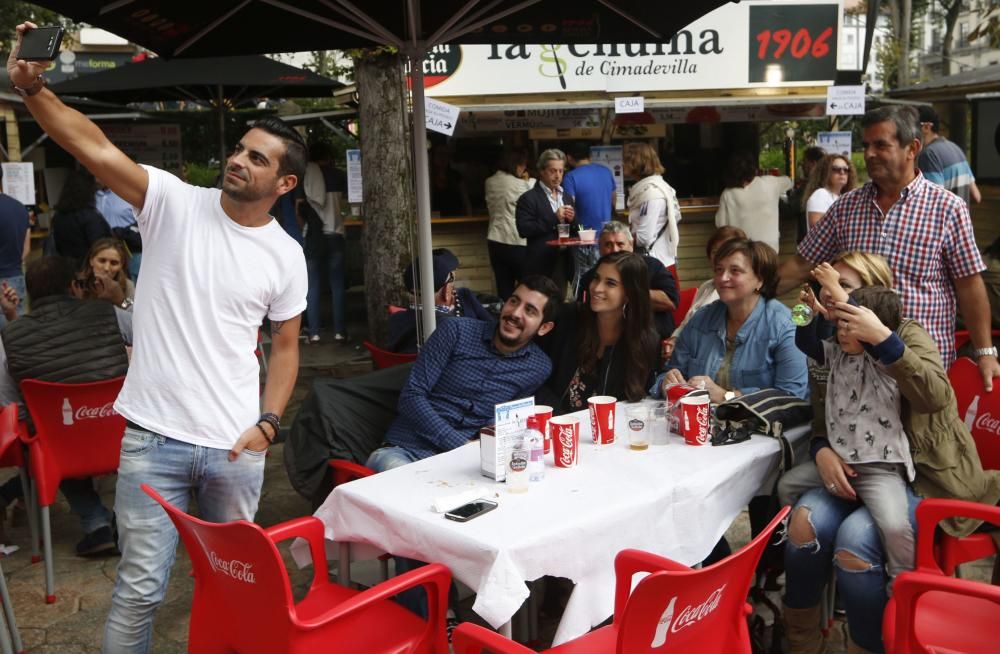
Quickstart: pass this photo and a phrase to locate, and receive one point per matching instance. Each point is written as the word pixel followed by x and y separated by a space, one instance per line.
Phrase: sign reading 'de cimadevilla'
pixel 753 43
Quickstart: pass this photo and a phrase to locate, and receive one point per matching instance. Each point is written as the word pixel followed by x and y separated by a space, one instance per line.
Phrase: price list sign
pixel 793 43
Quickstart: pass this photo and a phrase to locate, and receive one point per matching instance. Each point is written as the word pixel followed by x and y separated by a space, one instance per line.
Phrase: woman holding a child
pixel 889 418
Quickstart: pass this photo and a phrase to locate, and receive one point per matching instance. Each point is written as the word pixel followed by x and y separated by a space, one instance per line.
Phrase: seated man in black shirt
pixel 663 293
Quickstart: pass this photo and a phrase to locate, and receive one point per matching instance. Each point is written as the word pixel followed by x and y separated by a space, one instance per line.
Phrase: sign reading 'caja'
pixel 772 43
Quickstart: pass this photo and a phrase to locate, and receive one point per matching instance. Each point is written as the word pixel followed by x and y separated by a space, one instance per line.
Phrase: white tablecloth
pixel 674 500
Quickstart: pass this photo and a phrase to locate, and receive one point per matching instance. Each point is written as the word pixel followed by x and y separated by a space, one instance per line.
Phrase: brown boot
pixel 854 648
pixel 802 628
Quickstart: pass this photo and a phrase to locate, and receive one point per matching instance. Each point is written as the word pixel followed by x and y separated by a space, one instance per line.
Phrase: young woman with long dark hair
pixel 607 345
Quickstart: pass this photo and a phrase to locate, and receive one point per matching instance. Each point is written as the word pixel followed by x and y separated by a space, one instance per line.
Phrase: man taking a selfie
pixel 215 265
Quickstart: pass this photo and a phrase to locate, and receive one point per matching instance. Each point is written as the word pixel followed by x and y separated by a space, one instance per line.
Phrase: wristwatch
pixel 729 396
pixel 984 352
pixel 35 87
pixel 126 304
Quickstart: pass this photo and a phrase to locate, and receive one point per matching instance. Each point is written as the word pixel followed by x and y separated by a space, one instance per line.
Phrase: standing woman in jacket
pixel 607 345
pixel 653 211
pixel 77 225
pixel 506 248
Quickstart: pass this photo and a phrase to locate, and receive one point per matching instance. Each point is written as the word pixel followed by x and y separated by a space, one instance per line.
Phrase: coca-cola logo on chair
pixel 986 422
pixel 84 412
pixel 686 618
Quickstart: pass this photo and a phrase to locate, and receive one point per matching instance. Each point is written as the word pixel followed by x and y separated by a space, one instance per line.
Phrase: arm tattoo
pixel 276 326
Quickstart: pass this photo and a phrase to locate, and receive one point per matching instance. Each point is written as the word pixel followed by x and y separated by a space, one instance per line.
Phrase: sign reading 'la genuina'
pixel 720 50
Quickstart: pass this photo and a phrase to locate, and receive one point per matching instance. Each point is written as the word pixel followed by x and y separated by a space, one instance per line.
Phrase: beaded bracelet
pixel 260 426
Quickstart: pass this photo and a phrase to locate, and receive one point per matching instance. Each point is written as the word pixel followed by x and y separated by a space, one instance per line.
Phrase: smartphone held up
pixel 41 43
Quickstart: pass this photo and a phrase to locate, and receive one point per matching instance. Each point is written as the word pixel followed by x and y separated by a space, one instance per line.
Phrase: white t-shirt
pixel 820 201
pixel 206 285
pixel 754 208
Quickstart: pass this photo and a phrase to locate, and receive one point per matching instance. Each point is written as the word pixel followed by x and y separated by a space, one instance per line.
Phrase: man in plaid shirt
pixel 923 230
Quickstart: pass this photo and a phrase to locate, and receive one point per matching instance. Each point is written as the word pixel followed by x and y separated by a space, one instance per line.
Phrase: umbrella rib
pixel 631 19
pixel 457 17
pixel 211 26
pixel 108 8
pixel 331 23
pixel 472 26
pixel 354 13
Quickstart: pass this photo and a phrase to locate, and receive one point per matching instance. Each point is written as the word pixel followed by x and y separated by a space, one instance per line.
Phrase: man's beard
pixel 242 194
pixel 511 341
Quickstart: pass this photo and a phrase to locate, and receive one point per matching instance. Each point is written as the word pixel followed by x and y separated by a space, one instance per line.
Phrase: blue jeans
pixel 845 526
pixel 16 283
pixel 336 270
pixel 387 458
pixel 133 266
pixel 86 504
pixel 224 490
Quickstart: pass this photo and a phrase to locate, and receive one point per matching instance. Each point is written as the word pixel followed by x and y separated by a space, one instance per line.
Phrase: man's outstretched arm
pixel 793 272
pixel 74 132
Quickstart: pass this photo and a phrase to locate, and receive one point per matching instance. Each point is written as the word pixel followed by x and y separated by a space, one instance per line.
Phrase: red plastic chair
pixel 345 471
pixel 12 456
pixel 674 609
pixel 684 304
pixel 385 359
pixel 77 434
pixel 968 386
pixel 243 600
pixel 931 612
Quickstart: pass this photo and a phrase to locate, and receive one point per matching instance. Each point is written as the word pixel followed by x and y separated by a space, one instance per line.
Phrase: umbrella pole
pixel 424 247
pixel 221 110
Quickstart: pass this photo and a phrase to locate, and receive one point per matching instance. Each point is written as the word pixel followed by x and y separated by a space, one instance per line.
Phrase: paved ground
pixel 74 624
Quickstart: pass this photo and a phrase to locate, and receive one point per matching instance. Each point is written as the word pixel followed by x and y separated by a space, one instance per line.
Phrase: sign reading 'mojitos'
pixel 744 45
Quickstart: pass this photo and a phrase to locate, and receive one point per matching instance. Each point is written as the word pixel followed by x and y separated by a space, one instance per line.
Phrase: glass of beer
pixel 638 426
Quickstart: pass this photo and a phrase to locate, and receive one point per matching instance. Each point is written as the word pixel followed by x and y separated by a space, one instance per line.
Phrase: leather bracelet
pixel 271 419
pixel 37 85
pixel 260 426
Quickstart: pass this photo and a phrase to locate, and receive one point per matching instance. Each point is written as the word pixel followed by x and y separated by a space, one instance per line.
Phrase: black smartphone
pixel 471 510
pixel 41 44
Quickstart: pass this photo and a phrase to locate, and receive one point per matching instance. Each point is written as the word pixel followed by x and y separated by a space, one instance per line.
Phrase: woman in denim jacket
pixel 744 341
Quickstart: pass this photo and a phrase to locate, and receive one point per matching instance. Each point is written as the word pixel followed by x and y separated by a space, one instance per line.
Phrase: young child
pixel 872 461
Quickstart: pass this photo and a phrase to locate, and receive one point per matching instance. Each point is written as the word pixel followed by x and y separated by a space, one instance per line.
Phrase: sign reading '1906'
pixel 793 43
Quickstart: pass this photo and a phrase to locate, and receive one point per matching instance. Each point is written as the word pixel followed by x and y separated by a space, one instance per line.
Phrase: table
pixel 674 500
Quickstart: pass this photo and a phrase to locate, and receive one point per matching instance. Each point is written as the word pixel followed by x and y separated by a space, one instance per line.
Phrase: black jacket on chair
pixel 536 221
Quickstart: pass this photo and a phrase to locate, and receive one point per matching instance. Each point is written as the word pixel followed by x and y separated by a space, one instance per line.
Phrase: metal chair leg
pixel 5 644
pixel 50 582
pixel 31 506
pixel 8 616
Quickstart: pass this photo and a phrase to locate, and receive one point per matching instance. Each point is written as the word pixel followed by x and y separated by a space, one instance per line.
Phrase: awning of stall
pixel 954 87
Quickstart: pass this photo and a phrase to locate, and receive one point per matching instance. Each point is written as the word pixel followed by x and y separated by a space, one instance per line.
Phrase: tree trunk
pixel 389 207
pixel 950 19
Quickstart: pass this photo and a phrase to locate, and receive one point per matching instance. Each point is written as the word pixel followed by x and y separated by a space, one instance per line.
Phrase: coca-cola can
pixel 565 432
pixel 695 419
pixel 602 418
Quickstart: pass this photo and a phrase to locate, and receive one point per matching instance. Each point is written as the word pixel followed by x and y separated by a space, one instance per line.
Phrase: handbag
pixel 767 412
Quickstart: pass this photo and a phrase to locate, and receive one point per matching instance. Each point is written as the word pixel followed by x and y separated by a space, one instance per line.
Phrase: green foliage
pixel 201 174
pixel 887 56
pixel 15 12
pixel 988 26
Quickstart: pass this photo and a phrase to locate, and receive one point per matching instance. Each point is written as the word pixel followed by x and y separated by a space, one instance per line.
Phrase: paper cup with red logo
pixel 544 414
pixel 602 418
pixel 565 432
pixel 695 418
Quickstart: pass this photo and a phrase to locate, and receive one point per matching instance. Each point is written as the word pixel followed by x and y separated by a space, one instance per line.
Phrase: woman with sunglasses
pixel 832 175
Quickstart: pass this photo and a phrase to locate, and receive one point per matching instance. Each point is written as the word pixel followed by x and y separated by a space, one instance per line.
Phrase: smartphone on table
pixel 41 44
pixel 471 510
